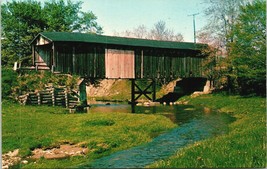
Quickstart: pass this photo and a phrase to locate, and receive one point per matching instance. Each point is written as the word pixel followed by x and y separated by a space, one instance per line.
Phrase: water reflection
pixel 177 113
pixel 195 123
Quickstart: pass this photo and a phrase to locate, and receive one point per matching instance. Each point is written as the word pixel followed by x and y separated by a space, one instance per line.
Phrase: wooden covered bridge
pixel 99 57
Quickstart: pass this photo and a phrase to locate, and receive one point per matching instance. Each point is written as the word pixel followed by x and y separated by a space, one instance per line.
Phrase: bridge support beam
pixel 149 92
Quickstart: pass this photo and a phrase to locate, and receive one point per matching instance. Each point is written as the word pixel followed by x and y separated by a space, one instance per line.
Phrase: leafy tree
pixel 248 51
pixel 61 15
pixel 23 20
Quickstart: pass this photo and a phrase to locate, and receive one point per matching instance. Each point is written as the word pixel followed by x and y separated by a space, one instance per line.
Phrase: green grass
pixel 243 146
pixel 30 127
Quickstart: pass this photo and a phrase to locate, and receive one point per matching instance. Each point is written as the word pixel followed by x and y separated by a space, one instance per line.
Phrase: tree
pixel 247 54
pixel 222 16
pixel 161 32
pixel 140 32
pixel 158 32
pixel 23 20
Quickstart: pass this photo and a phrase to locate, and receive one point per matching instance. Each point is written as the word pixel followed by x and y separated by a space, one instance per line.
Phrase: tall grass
pixel 243 146
pixel 30 127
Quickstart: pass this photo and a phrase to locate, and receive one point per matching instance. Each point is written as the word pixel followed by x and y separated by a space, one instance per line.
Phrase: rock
pixel 10 158
pixel 71 110
pixel 24 162
pixel 55 156
pixel 63 151
pixel 85 151
pixel 78 152
pixel 5 167
pixel 71 153
pixel 139 104
pixel 15 153
pixel 146 104
pixel 185 102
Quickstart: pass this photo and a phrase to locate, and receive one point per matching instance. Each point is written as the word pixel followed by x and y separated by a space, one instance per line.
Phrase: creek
pixel 195 124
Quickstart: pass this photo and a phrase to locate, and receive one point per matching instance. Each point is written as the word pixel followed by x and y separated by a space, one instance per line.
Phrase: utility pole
pixel 194 25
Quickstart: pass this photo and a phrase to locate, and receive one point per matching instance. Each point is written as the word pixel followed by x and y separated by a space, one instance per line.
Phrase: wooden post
pixel 33 55
pixel 39 98
pixel 66 97
pixel 142 64
pixel 53 96
pixel 133 95
pixel 153 90
pixel 52 58
pixel 82 94
pixel 74 61
pixel 132 91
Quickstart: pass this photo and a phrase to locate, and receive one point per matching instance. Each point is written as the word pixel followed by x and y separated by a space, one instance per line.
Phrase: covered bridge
pixel 97 56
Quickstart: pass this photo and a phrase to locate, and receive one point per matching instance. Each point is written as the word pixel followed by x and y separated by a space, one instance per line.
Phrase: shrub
pixel 9 81
pixel 14 84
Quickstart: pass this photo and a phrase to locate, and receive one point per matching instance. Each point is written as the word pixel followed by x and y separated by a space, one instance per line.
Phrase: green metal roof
pixel 93 38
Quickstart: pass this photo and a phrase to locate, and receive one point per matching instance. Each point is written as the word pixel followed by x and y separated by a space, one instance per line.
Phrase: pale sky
pixel 122 15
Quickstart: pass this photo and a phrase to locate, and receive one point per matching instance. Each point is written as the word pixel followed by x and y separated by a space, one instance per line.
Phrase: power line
pixel 194 25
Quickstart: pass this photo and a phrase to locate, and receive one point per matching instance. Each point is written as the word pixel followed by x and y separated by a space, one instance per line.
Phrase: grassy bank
pixel 243 146
pixel 30 127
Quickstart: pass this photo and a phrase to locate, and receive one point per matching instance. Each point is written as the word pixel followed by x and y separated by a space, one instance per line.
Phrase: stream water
pixel 195 123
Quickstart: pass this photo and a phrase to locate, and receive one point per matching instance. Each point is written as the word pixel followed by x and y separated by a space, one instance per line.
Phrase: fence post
pixel 39 98
pixel 66 97
pixel 53 96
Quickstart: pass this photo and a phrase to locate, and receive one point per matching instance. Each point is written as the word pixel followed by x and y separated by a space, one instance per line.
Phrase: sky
pixel 122 15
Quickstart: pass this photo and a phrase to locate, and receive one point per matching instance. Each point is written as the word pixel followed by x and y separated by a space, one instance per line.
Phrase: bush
pixel 14 84
pixel 9 81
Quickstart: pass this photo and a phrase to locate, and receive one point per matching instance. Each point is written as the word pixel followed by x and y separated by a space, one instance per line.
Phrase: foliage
pixel 8 81
pixel 23 20
pixel 15 84
pixel 222 16
pixel 29 127
pixel 243 147
pixel 242 68
pixel 213 66
pixel 247 56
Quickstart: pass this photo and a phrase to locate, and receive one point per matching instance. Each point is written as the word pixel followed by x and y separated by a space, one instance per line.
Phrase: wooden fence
pixel 53 96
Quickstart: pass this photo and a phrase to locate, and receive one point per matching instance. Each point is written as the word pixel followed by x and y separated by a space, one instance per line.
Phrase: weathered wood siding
pixel 167 64
pixel 119 63
pixel 84 60
pixel 106 61
pixel 43 54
